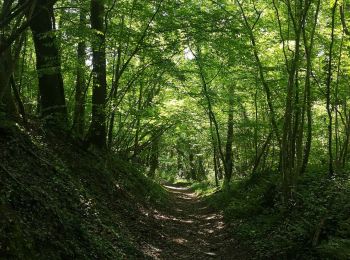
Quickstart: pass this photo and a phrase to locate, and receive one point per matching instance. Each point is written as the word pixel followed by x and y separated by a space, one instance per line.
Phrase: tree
pixel 97 130
pixel 80 85
pixel 229 140
pixel 48 64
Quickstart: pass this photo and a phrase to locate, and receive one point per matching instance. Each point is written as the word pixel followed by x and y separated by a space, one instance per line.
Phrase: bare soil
pixel 190 230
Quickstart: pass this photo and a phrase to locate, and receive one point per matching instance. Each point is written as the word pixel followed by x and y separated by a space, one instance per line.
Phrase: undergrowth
pixel 59 201
pixel 204 188
pixel 314 225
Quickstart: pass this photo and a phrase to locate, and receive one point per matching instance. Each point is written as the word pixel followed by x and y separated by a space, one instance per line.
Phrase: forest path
pixel 191 230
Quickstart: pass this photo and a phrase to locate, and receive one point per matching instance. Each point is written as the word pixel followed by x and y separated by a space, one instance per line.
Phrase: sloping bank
pixel 58 200
pixel 315 225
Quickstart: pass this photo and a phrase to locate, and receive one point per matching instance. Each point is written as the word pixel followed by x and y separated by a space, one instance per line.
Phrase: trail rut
pixel 191 230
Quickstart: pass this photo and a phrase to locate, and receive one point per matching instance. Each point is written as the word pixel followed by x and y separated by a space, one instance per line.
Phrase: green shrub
pixel 315 224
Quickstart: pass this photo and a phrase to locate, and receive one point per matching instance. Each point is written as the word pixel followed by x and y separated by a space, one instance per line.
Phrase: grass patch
pixel 204 188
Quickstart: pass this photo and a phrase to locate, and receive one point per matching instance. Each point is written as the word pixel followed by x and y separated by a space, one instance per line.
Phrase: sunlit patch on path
pixel 189 229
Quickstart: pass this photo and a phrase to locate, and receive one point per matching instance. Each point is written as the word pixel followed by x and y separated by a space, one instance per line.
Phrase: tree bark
pixel 328 94
pixel 154 157
pixel 192 164
pixel 80 85
pixel 52 100
pixel 6 61
pixel 97 130
pixel 229 141
pixel 308 54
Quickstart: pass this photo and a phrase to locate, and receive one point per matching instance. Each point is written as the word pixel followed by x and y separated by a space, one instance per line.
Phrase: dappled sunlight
pixel 172 218
pixel 210 253
pixel 187 229
pixel 180 240
pixel 151 251
pixel 176 188
pixel 175 129
pixel 182 192
pixel 211 217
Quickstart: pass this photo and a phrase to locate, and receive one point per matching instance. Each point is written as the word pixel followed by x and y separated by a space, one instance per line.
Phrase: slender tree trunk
pixel 6 59
pixel 338 143
pixel 18 99
pixel 216 168
pixel 256 125
pixel 309 53
pixel 265 84
pixel 5 72
pixel 138 121
pixel 216 160
pixel 80 84
pixel 192 163
pixel 288 138
pixel 10 106
pixel 262 153
pixel 299 126
pixel 154 157
pixel 211 115
pixel 114 92
pixel 229 142
pixel 293 123
pixel 97 130
pixel 344 153
pixel 200 171
pixel 180 167
pixel 328 95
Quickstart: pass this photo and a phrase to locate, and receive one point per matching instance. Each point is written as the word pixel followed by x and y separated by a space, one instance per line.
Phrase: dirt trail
pixel 191 230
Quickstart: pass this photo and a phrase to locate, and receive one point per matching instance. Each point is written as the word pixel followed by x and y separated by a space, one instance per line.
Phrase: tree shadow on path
pixel 189 229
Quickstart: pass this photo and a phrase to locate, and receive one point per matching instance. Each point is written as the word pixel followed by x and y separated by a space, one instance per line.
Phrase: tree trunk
pixel 216 160
pixel 262 153
pixel 308 54
pixel 192 163
pixel 229 141
pixel 6 63
pixel 291 148
pixel 138 121
pixel 10 108
pixel 264 82
pixel 154 158
pixel 328 95
pixel 52 100
pixel 18 99
pixel 5 72
pixel 80 85
pixel 97 131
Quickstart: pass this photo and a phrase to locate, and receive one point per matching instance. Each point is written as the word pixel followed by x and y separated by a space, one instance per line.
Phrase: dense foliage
pixel 250 96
